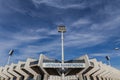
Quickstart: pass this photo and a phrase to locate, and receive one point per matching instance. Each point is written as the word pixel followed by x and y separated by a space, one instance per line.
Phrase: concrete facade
pixel 33 69
pixel 11 71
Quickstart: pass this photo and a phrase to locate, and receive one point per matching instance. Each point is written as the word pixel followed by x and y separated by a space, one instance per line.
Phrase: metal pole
pixel 8 62
pixel 109 63
pixel 62 38
pixel 10 54
pixel 62 29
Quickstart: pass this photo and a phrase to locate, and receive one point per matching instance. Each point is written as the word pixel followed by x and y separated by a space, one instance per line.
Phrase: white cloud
pixel 30 35
pixel 81 22
pixel 28 38
pixel 61 3
pixel 34 50
pixel 7 45
pixel 100 54
pixel 43 30
pixel 111 53
pixel 111 24
pixel 29 50
pixel 83 40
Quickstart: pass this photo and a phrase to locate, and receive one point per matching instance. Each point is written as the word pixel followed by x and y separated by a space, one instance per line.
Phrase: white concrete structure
pixel 19 69
pixel 87 65
pixel 71 77
pixel 29 69
pixel 95 77
pixel 40 64
pixel 81 68
pixel 3 76
pixel 5 71
pixel 93 70
pixel 11 70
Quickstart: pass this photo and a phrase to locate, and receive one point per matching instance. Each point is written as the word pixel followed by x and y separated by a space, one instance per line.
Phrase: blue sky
pixel 30 28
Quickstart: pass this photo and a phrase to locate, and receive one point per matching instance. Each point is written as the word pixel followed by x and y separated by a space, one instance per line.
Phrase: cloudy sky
pixel 30 28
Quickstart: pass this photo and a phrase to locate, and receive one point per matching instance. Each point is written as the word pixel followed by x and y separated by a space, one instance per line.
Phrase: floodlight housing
pixel 61 28
pixel 108 57
pixel 11 52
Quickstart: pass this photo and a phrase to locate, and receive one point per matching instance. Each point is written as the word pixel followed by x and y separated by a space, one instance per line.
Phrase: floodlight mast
pixel 10 54
pixel 8 62
pixel 62 29
pixel 108 60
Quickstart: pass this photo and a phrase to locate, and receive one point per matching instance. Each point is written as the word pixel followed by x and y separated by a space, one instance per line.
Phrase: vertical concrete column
pixel 110 74
pixel 94 69
pixel 29 69
pixel 40 64
pixel 107 76
pixel 101 75
pixel 114 75
pixel 98 72
pixel 5 71
pixel 3 76
pixel 45 77
pixel 87 65
pixel 11 70
pixel 118 74
pixel 19 70
pixel 39 77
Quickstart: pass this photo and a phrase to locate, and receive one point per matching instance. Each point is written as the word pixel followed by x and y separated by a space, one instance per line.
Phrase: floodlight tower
pixel 62 29
pixel 10 54
pixel 108 60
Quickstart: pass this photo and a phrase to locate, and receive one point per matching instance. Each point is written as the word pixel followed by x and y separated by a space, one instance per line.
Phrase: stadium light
pixel 10 54
pixel 108 60
pixel 62 29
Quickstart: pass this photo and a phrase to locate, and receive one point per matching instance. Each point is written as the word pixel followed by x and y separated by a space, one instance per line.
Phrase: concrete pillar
pixel 39 77
pixel 3 76
pixel 110 74
pixel 11 70
pixel 103 75
pixel 107 76
pixel 29 69
pixel 87 65
pixel 99 71
pixel 45 77
pixel 106 71
pixel 94 69
pixel 40 64
pixel 19 70
pixel 5 71
pixel 114 75
pixel 99 76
